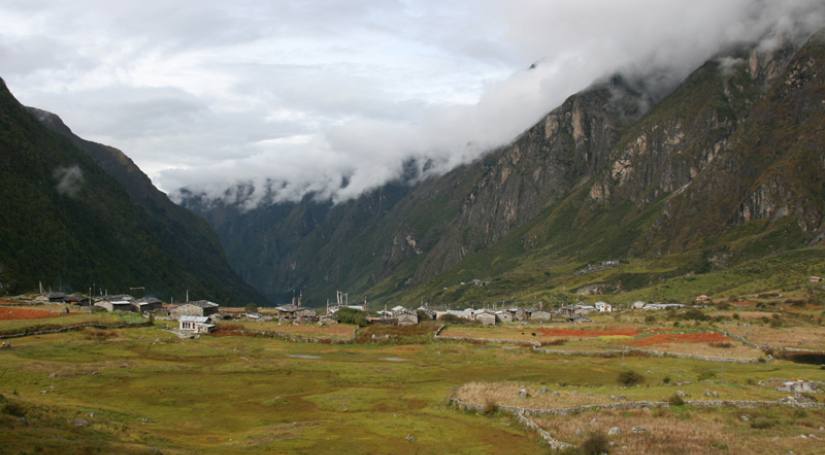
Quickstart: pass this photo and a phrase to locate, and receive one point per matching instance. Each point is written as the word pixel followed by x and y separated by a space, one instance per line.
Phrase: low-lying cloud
pixel 334 97
pixel 69 180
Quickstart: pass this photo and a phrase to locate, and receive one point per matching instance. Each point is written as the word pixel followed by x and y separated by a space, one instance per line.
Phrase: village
pixel 619 374
pixel 201 316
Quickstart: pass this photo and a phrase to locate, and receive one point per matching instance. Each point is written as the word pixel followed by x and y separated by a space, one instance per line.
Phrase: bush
pixel 595 444
pixel 676 400
pixel 695 315
pixel 650 319
pixel 721 344
pixel 761 423
pixel 251 308
pixel 490 407
pixel 630 378
pixel 705 375
pixel 14 409
pixel 351 316
pixel 666 380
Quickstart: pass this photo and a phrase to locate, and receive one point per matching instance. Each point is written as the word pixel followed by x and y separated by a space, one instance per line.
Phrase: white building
pixel 603 307
pixel 194 324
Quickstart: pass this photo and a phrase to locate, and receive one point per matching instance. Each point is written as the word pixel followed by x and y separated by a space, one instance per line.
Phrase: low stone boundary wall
pixel 533 344
pixel 68 328
pixel 523 415
pixel 285 336
pixel 628 405
pixel 646 352
pixel 537 347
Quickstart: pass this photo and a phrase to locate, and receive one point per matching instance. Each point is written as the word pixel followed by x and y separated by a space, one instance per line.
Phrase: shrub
pixel 761 423
pixel 490 407
pixel 695 315
pixel 650 319
pixel 630 378
pixel 705 375
pixel 251 308
pixel 14 409
pixel 676 400
pixel 722 345
pixel 351 316
pixel 666 380
pixel 595 444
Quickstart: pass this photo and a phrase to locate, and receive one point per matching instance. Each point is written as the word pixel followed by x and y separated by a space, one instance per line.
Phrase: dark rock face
pixel 740 140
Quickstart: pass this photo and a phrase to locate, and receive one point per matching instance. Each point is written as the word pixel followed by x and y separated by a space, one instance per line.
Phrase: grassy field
pixel 140 389
pixel 60 319
pixel 335 332
pixel 705 341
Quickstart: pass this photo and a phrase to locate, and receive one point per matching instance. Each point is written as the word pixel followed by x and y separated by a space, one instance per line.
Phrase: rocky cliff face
pixel 612 171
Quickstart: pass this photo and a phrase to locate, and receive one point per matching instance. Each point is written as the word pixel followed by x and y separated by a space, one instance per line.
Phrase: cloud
pixel 299 96
pixel 69 180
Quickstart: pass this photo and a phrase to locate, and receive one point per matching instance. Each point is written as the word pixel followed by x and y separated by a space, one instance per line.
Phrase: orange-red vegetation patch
pixel 8 314
pixel 665 338
pixel 548 332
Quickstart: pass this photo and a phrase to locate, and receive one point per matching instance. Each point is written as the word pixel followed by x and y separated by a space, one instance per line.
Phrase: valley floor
pixel 143 390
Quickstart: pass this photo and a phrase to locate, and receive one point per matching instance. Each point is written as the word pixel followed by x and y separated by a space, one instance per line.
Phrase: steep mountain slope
pixel 726 167
pixel 77 213
pixel 421 231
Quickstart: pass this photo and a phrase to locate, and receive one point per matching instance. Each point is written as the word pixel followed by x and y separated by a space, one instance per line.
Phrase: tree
pixel 251 308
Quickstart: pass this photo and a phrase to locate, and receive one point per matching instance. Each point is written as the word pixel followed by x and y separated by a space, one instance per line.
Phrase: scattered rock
pixel 52 375
pixel 681 394
pixel 80 422
pixel 711 394
pixel 5 345
pixel 638 430
pixel 523 393
pixel 744 418
pixel 614 431
pixel 410 438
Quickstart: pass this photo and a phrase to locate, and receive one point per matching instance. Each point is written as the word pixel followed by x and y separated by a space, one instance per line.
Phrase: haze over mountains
pixel 726 167
pixel 703 163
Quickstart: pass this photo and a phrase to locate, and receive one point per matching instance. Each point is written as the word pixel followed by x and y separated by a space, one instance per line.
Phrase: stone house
pixel 115 305
pixel 147 305
pixel 504 316
pixel 540 316
pixel 520 314
pixel 196 308
pixel 486 318
pixel 407 318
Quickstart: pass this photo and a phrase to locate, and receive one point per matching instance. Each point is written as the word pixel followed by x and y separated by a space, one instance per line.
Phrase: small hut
pixel 194 324
pixel 486 318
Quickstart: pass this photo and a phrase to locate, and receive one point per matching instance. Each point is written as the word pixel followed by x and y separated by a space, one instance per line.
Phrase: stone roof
pixel 187 318
pixel 204 304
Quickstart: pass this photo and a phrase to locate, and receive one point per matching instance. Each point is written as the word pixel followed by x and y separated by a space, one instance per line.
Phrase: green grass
pixel 22 325
pixel 148 389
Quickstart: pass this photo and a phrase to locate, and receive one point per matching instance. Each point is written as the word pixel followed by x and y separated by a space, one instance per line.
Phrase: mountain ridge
pixel 77 214
pixel 643 176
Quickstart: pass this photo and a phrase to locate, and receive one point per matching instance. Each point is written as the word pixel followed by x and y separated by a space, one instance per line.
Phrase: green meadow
pixel 143 390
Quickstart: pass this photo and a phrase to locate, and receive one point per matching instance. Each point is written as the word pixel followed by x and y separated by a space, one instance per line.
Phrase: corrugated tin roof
pixel 187 318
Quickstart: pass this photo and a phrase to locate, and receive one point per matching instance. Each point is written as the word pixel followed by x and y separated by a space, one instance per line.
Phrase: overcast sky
pixel 205 94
